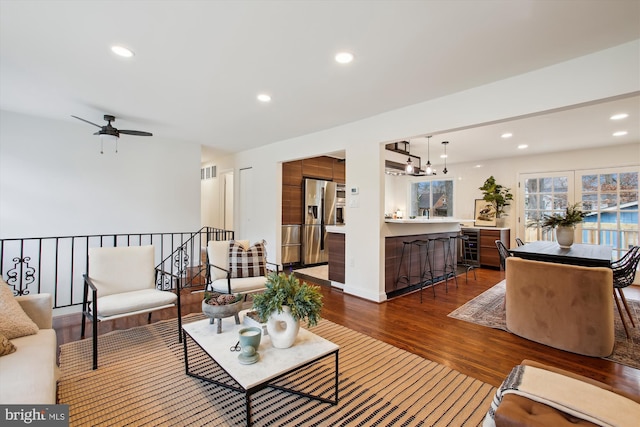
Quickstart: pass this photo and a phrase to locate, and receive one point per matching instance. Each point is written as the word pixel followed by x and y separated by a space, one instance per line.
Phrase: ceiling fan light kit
pixel 109 133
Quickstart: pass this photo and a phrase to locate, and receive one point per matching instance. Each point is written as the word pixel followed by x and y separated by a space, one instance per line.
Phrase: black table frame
pixel 248 392
pixel 578 254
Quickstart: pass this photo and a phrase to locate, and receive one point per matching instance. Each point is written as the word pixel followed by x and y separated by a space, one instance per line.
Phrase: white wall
pixel 55 182
pixel 604 74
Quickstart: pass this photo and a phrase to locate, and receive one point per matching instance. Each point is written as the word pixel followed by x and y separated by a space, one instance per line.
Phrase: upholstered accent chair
pixel 568 307
pixel 235 267
pixel 122 281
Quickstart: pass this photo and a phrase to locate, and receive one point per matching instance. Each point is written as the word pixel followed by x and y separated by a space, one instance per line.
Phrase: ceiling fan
pixel 108 132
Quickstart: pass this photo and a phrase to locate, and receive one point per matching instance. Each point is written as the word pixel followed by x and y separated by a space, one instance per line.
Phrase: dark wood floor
pixel 424 329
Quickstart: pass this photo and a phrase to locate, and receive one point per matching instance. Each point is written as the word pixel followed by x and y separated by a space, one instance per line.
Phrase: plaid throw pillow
pixel 247 262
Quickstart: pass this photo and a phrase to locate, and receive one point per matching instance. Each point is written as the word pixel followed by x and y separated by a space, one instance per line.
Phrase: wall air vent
pixel 208 172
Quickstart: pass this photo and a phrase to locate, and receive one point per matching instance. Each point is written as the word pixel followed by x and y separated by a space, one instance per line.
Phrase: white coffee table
pixel 274 363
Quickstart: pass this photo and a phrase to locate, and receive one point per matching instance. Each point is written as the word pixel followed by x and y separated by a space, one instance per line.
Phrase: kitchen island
pixel 336 245
pixel 398 231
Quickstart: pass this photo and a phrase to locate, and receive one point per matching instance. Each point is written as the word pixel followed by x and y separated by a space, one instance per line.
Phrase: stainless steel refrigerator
pixel 319 211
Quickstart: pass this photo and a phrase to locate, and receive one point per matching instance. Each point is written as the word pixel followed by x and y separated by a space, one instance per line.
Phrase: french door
pixel 542 194
pixel 608 196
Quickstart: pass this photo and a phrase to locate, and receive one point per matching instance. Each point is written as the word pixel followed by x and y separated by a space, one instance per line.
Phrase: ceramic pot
pixel 564 236
pixel 282 328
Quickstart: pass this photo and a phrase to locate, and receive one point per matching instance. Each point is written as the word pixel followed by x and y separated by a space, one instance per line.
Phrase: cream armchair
pixel 224 271
pixel 120 282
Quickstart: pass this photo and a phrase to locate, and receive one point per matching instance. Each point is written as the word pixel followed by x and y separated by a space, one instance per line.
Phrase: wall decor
pixel 485 213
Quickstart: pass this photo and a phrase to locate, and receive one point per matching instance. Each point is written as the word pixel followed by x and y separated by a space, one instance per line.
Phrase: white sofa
pixel 30 374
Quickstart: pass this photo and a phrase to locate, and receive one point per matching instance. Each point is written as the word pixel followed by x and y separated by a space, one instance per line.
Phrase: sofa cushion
pixel 6 346
pixel 114 270
pixel 240 285
pixel 29 375
pixel 14 322
pixel 247 262
pixel 129 302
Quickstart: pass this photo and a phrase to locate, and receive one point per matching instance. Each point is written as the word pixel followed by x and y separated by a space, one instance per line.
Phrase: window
pixel 611 199
pixel 543 194
pixel 432 198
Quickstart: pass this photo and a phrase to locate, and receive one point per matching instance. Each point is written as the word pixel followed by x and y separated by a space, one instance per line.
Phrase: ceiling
pixel 199 65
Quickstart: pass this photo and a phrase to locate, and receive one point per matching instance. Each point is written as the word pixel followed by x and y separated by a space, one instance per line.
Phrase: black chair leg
pixel 95 344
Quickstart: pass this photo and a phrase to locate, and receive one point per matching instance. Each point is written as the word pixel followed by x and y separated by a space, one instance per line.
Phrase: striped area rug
pixel 141 381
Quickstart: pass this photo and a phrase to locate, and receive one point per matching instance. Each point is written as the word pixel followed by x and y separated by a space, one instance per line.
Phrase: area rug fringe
pixel 141 382
pixel 487 309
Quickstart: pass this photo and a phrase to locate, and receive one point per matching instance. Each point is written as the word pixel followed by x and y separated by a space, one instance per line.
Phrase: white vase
pixel 564 236
pixel 282 328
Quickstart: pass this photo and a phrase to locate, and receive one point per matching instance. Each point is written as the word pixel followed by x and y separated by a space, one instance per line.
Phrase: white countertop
pixel 423 220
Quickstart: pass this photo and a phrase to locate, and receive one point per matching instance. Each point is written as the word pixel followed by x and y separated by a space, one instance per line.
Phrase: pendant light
pixel 409 167
pixel 428 170
pixel 445 143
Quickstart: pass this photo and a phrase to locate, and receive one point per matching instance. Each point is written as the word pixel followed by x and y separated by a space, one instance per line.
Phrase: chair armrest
pixel 38 307
pixel 276 265
pixel 226 270
pixel 88 282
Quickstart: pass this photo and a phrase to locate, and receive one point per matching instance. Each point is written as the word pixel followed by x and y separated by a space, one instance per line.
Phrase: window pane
pixel 629 181
pixel 560 184
pixel 589 183
pixel 546 185
pixel 531 186
pixel 609 182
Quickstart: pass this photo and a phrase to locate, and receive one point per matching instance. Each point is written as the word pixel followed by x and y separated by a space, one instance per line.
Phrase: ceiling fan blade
pixel 86 121
pixel 136 132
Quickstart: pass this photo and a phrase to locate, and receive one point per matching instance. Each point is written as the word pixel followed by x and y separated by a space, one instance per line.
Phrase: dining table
pixel 583 254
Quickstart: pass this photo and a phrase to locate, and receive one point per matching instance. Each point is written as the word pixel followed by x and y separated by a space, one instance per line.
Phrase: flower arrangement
pixel 304 300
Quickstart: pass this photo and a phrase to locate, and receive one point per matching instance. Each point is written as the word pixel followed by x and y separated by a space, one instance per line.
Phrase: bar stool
pixel 424 267
pixel 466 255
pixel 448 257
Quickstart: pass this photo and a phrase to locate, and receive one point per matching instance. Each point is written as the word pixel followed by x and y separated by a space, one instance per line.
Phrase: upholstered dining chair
pixel 504 253
pixel 120 282
pixel 624 273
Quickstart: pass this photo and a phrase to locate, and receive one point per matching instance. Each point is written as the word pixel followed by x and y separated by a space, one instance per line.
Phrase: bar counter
pixel 397 231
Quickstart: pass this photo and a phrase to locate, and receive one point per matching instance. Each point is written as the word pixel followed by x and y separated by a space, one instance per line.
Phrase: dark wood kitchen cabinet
pixel 489 256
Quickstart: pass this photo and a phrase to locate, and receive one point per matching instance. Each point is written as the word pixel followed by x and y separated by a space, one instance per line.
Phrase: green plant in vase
pixel 304 300
pixel 496 194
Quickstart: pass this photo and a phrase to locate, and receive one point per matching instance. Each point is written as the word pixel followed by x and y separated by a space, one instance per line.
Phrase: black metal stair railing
pixel 56 264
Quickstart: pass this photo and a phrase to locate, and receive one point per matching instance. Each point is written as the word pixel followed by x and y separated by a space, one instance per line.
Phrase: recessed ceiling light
pixel 122 51
pixel 620 133
pixel 506 135
pixel 344 57
pixel 443 156
pixel 522 146
pixel 477 166
pixel 263 97
pixel 619 116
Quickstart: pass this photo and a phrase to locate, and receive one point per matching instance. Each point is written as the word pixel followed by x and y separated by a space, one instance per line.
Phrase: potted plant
pixel 284 303
pixel 496 194
pixel 564 223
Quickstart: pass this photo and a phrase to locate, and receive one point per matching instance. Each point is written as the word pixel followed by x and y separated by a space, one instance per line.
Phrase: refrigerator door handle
pixel 322 223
